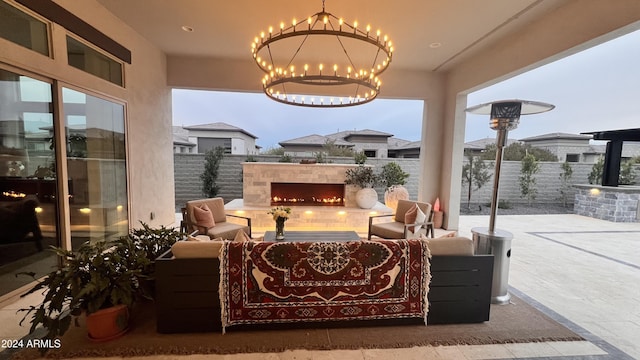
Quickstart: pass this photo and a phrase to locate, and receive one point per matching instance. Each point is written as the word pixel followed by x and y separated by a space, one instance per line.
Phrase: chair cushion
pixel 388 230
pixel 450 246
pixel 203 216
pixel 216 205
pixel 410 217
pixel 226 230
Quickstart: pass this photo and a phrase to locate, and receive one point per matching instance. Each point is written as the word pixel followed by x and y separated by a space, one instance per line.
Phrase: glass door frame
pixel 62 204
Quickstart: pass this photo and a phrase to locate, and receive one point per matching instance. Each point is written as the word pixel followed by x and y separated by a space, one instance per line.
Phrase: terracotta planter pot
pixel 108 324
pixel 366 198
pixel 437 219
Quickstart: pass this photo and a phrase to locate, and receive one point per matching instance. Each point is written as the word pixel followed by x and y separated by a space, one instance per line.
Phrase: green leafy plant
pixel 392 174
pixel 251 158
pixel 331 149
pixel 565 182
pixel 362 176
pixel 528 168
pixel 627 173
pixel 475 174
pixel 517 151
pixel 321 157
pixel 95 276
pixel 212 161
pixel 360 158
pixel 151 243
pixel 595 176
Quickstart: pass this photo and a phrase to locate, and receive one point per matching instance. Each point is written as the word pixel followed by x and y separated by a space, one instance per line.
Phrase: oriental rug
pixel 517 322
pixel 282 282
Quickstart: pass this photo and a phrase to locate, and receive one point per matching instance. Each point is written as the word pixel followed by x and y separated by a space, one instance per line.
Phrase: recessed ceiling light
pixel 187 28
pixel 435 45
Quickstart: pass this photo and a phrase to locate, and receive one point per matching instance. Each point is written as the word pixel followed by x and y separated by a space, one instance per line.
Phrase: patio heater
pixel 505 116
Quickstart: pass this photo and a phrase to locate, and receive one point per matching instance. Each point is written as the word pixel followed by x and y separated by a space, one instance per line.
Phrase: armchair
pixel 396 228
pixel 222 228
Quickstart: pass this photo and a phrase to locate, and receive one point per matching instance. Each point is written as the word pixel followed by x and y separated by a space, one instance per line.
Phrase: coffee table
pixel 301 236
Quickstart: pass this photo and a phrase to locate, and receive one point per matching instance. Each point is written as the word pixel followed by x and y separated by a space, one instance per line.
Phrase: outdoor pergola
pixel 613 154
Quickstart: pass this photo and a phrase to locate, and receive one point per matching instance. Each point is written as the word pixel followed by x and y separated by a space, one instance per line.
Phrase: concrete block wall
pixel 188 186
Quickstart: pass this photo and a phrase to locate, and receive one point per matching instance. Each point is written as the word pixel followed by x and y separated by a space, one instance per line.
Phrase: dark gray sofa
pixel 187 298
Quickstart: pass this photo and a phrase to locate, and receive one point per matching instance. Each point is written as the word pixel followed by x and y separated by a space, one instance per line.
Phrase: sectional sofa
pixel 188 285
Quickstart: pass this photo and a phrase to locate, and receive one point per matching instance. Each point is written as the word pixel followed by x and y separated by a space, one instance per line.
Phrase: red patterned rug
pixel 280 282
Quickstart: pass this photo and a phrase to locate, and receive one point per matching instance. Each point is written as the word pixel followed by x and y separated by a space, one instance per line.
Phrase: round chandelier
pixel 322 61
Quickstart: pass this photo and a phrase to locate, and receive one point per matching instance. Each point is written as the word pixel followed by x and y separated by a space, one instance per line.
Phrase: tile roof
pixel 365 132
pixel 219 126
pixel 557 135
pixel 182 140
pixel 480 144
pixel 314 140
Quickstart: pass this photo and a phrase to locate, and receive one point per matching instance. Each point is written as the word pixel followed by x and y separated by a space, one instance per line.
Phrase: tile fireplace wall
pixel 256 201
pixel 257 179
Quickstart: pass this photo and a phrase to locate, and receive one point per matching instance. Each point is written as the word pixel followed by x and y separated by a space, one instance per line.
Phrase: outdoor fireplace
pixel 307 194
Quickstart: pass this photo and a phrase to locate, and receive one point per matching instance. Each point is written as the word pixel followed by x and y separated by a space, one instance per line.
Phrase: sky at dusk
pixel 597 89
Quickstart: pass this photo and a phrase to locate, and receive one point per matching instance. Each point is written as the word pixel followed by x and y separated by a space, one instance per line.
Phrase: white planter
pixel 366 198
pixel 393 194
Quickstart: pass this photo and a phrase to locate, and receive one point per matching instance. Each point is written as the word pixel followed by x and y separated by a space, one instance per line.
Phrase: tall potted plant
pixel 363 177
pixel 393 177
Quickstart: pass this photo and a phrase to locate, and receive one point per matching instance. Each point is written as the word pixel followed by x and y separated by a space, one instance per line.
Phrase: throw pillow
pixel 410 216
pixel 203 216
pixel 421 217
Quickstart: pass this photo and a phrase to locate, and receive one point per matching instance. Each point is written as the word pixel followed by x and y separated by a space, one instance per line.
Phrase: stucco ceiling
pixel 225 29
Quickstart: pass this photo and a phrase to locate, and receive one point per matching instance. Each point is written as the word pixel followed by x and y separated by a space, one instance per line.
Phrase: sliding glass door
pixel 28 195
pixel 34 212
pixel 96 166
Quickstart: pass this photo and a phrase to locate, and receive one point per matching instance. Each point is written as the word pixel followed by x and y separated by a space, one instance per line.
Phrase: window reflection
pixel 27 179
pixel 96 166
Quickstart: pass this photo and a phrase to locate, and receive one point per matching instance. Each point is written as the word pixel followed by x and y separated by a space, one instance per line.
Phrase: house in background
pixel 201 138
pixel 399 148
pixel 567 147
pixel 374 144
pixel 577 147
pixel 181 143
pixel 475 147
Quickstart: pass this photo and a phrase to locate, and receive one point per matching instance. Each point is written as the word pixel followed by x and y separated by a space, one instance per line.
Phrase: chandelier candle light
pixel 505 116
pixel 322 61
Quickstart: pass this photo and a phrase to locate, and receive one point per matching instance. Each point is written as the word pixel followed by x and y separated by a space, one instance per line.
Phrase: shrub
pixel 627 173
pixel 360 158
pixel 212 159
pixel 392 174
pixel 362 176
pixel 529 167
pixel 565 182
pixel 595 176
pixel 475 174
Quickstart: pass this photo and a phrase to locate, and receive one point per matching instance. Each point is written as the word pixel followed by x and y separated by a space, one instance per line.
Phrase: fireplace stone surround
pixel 256 185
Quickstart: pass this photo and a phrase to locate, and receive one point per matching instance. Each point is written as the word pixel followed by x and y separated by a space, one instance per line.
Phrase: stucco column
pixel 452 155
